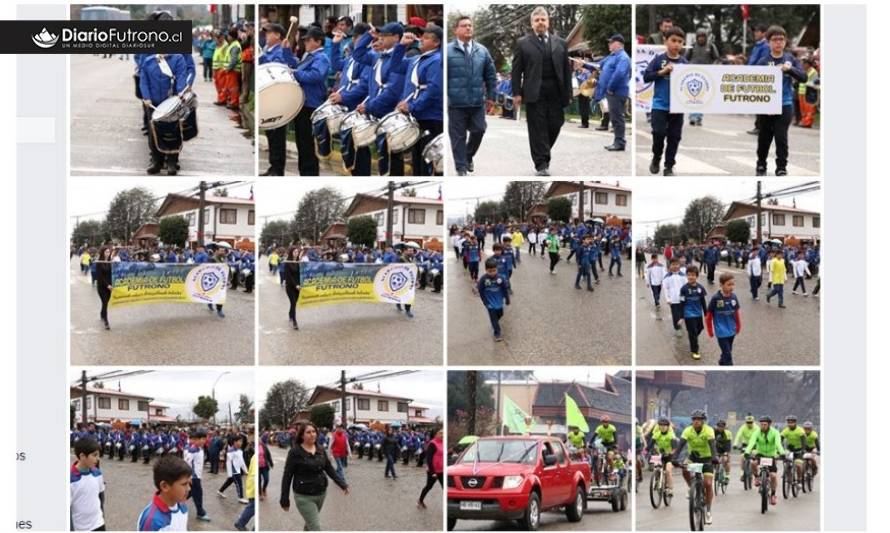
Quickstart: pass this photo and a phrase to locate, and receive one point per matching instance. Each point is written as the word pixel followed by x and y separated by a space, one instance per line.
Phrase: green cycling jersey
pixel 794 437
pixel 699 441
pixel 767 444
pixel 606 433
pixel 663 441
pixel 743 436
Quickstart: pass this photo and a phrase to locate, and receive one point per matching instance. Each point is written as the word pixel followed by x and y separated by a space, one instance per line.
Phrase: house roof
pixel 366 203
pixel 742 209
pixel 178 203
pixel 613 397
pixel 326 394
pixel 559 188
pixel 76 392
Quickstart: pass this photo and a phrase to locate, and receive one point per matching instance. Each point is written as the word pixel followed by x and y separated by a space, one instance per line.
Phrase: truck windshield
pixel 501 451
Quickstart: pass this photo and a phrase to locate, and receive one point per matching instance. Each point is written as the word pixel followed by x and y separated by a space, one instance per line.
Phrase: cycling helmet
pixel 721 422
pixel 664 422
pixel 698 413
pixel 808 425
pixel 791 418
pixel 766 418
pixel 749 418
pixel 605 419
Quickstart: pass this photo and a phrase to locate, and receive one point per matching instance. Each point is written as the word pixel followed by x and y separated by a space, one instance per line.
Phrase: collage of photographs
pixel 614 326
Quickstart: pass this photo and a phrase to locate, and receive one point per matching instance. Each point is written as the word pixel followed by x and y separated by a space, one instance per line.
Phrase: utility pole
pixel 202 202
pixel 759 228
pixel 497 406
pixel 83 398
pixel 581 202
pixel 343 397
pixel 390 200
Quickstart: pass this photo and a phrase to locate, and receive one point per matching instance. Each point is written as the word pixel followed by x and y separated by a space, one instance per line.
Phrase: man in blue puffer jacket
pixel 614 84
pixel 470 69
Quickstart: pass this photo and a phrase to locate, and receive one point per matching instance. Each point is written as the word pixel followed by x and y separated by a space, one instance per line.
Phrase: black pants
pixel 236 479
pixel 104 296
pixel 676 315
pixel 277 149
pixel 307 160
pixel 214 462
pixel 544 119
pixel 531 248
pixel 419 167
pixel 554 258
pixel 466 126
pixel 712 269
pixel 208 69
pixel 431 478
pixel 694 327
pixel 437 282
pixel 197 495
pixel 293 294
pixel 474 270
pixel 584 109
pixel 799 282
pixel 725 350
pixel 774 127
pixel 666 126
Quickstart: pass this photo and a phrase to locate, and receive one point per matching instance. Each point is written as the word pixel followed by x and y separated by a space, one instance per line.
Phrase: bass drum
pixel 434 153
pixel 279 95
pixel 401 131
pixel 364 128
pixel 332 114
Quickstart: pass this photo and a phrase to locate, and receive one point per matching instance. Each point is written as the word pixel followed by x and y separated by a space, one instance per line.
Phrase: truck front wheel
pixel 575 509
pixel 451 523
pixel 532 517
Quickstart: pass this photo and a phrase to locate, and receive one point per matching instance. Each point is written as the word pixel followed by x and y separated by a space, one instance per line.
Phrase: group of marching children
pixel 178 458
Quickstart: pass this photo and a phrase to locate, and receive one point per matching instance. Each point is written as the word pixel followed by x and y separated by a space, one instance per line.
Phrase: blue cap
pixel 617 37
pixel 392 28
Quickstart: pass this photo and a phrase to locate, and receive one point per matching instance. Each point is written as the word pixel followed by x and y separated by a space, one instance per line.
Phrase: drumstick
pixel 291 31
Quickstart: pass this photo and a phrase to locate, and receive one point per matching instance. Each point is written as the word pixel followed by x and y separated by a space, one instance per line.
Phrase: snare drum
pixel 170 110
pixel 434 153
pixel 332 114
pixel 604 106
pixel 279 95
pixel 401 131
pixel 364 128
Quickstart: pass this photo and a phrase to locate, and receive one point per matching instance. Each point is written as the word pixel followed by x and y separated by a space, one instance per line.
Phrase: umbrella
pixel 135 422
pixel 362 427
pixel 224 244
pixel 598 220
pixel 408 244
pixel 468 439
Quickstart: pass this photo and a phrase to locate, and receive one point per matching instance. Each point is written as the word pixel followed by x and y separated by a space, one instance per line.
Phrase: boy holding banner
pixel 776 126
pixel 665 125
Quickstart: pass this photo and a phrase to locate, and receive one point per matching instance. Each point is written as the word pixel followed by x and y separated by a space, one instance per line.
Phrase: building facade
pixel 108 405
pixel 601 200
pixel 778 221
pixel 414 219
pixel 363 407
pixel 226 219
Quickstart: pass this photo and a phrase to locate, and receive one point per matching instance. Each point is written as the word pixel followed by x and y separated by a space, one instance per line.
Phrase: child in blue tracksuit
pixel 692 296
pixel 665 125
pixel 493 289
pixel 723 318
pixel 505 264
pixel 615 252
pixel 474 255
pixel 586 251
pixel 776 126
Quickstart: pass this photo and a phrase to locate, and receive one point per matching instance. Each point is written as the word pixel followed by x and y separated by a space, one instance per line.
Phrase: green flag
pixel 514 417
pixel 574 416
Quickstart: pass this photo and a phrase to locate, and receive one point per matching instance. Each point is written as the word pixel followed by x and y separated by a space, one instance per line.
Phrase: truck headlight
pixel 511 482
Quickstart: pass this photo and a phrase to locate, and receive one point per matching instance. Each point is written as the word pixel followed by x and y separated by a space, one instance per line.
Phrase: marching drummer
pixel 351 91
pixel 162 76
pixel 422 95
pixel 385 88
pixel 311 72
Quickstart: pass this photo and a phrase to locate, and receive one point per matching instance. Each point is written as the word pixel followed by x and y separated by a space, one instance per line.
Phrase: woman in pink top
pixel 434 466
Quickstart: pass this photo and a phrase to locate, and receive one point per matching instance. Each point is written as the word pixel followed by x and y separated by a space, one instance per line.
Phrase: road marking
pixel 793 170
pixel 752 151
pixel 691 165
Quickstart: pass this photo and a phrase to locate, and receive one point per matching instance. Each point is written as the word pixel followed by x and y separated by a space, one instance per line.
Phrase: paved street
pixel 347 334
pixel 577 152
pixel 374 503
pixel 159 334
pixel 722 146
pixel 106 122
pixel 598 517
pixel 332 166
pixel 769 336
pixel 548 321
pixel 737 510
pixel 129 488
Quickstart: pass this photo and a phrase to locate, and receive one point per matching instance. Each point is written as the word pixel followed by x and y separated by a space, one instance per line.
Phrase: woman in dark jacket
pixel 292 282
pixel 306 471
pixel 103 281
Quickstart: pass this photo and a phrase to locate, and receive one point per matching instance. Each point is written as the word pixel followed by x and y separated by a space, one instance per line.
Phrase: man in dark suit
pixel 542 79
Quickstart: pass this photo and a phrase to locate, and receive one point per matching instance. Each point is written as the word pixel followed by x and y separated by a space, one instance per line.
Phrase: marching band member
pixel 385 88
pixel 162 76
pixel 351 91
pixel 274 52
pixel 422 96
pixel 614 86
pixel 312 73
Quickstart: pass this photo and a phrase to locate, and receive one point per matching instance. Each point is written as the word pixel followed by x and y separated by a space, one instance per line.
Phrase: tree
pixel 317 210
pixel 322 415
pixel 458 391
pixel 559 209
pixel 221 192
pixel 362 231
pixel 410 192
pixel 701 215
pixel 738 231
pixel 668 234
pixel 245 406
pixel 276 232
pixel 521 196
pixel 472 398
pixel 489 212
pixel 89 232
pixel 173 230
pixel 601 21
pixel 206 407
pixel 283 401
pixel 128 210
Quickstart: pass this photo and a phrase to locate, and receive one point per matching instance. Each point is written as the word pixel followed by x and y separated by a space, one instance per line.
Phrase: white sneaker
pixel 220 494
pixel 708 517
pixel 794 292
pixel 553 272
pixel 243 500
pixel 806 295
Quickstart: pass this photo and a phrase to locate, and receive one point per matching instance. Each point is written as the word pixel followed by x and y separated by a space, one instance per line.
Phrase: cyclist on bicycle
pixel 663 440
pixel 811 444
pixel 723 439
pixel 793 438
pixel 576 440
pixel 607 435
pixel 700 439
pixel 742 438
pixel 766 442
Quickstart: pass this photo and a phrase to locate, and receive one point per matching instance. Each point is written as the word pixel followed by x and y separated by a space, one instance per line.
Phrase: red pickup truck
pixel 516 478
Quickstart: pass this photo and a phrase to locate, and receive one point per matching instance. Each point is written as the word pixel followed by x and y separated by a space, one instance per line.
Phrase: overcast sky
pixel 179 389
pixel 593 375
pixel 424 386
pixel 281 197
pixel 88 198
pixel 654 202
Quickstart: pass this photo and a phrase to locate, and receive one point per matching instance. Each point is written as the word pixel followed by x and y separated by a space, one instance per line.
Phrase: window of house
pixel 123 405
pixel 250 217
pixel 206 216
pixel 191 218
pixel 440 217
pixel 417 216
pixel 817 221
pixel 402 407
pixel 228 216
pixel 621 199
pixel 159 412
pixel 383 405
pixel 89 402
pixel 379 218
pixel 364 404
pixel 601 198
pixel 104 402
pixel 395 216
pixel 778 220
pixel 142 406
pixel 797 221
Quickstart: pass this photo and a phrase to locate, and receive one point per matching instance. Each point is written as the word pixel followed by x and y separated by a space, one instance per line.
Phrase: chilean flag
pixel 745 12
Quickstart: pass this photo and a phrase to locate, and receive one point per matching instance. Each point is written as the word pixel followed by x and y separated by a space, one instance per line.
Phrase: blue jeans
pixel 583 271
pixel 656 294
pixel 616 115
pixel 390 466
pixel 247 514
pixel 613 262
pixel 341 463
pixel 755 285
pixel 466 126
pixel 494 316
pixel 778 290
pixel 725 350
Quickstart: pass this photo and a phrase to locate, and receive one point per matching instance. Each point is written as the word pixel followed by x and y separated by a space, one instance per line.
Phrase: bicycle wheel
pixel 700 505
pixel 693 508
pixel 795 482
pixel 809 478
pixel 655 492
pixel 724 481
pixel 764 491
pixel 786 481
